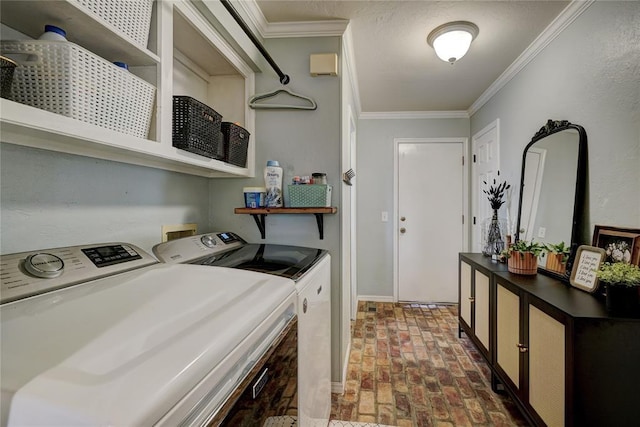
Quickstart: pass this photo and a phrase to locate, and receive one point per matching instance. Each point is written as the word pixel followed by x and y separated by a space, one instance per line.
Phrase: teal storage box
pixel 309 196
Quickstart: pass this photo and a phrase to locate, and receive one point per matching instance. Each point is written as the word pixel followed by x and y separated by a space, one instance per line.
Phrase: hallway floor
pixel 408 367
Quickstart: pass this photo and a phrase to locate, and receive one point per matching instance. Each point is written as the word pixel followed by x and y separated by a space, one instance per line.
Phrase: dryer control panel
pixel 31 273
pixel 190 248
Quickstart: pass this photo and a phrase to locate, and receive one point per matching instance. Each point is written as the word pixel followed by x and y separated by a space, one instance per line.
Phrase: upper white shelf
pixel 29 126
pixel 82 27
pixel 178 33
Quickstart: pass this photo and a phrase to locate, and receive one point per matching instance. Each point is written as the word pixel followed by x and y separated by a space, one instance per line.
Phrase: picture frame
pixel 587 262
pixel 620 244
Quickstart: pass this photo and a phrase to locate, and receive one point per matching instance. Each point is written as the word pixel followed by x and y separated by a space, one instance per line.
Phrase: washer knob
pixel 44 265
pixel 209 240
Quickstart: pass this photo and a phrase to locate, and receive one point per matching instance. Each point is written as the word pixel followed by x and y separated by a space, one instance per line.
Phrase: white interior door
pixel 486 161
pixel 430 220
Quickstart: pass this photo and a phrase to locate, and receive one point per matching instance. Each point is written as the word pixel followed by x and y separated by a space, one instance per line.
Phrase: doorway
pixel 431 194
pixel 485 151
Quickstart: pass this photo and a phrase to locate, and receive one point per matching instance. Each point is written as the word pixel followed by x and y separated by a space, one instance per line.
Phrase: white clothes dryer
pixel 310 269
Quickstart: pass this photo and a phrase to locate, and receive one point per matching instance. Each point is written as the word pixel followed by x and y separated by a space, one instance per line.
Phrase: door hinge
pixel 474 220
pixel 462 219
pixel 462 160
pixel 474 158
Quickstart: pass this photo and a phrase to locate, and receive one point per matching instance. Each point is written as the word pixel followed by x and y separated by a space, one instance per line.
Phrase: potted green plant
pixel 523 257
pixel 622 285
pixel 557 256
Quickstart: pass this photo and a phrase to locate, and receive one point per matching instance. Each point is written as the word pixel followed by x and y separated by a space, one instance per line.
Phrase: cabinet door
pixel 481 300
pixel 465 293
pixel 546 367
pixel 508 333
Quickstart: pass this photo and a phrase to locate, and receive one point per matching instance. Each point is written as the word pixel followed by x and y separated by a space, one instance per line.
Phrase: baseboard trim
pixel 375 298
pixel 338 386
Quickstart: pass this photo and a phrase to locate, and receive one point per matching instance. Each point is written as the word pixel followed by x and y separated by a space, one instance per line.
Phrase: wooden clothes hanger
pixel 253 101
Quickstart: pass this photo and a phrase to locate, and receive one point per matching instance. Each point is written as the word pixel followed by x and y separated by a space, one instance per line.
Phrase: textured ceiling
pixel 398 71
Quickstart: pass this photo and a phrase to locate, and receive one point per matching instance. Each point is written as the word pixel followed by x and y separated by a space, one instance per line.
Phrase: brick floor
pixel 408 368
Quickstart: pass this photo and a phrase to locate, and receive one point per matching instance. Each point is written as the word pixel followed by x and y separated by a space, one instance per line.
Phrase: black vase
pixel 494 243
pixel 622 300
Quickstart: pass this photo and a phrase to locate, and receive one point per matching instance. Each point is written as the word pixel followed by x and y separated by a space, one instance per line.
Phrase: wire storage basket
pixel 8 68
pixel 64 78
pixel 130 17
pixel 196 128
pixel 236 143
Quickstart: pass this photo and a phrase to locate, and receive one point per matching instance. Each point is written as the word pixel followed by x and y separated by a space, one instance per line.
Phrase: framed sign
pixel 587 263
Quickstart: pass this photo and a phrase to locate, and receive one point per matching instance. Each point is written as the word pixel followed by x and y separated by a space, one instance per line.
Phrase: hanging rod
pixel 284 79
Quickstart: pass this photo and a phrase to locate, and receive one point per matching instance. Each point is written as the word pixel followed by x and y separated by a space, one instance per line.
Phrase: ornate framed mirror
pixel 552 192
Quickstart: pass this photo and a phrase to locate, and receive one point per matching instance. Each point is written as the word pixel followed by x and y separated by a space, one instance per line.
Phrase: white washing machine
pixel 310 269
pixel 105 335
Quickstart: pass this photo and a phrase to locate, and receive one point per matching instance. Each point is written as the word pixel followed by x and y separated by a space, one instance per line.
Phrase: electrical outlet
pixel 385 216
pixel 542 232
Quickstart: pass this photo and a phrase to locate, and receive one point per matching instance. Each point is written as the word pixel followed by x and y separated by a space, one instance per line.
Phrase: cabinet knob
pixel 522 348
pixel 472 299
pixel 403 218
pixel 403 230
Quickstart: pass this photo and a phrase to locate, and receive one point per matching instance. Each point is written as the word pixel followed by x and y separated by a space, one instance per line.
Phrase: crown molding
pixel 306 29
pixel 267 30
pixel 562 21
pixel 254 15
pixel 400 115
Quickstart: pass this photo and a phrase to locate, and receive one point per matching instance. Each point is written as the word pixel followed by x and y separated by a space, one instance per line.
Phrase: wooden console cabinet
pixel 553 348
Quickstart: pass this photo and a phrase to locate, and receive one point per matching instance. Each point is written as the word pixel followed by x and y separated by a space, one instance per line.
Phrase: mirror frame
pixel 551 127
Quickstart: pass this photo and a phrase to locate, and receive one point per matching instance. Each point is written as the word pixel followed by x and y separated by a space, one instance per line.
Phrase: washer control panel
pixel 193 247
pixel 108 255
pixel 31 273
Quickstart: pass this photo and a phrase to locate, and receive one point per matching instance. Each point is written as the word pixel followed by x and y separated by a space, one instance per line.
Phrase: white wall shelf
pixel 187 56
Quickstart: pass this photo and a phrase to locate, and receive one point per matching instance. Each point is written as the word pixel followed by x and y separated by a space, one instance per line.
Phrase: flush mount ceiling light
pixel 451 41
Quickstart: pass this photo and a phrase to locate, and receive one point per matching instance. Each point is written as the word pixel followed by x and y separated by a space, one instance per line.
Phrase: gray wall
pixel 303 142
pixel 375 192
pixel 50 199
pixel 590 76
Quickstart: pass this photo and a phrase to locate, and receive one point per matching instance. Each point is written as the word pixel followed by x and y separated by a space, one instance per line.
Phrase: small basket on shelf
pixel 236 144
pixel 8 68
pixel 309 196
pixel 196 128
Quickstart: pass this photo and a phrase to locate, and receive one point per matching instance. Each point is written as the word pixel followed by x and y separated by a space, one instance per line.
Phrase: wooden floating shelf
pixel 259 215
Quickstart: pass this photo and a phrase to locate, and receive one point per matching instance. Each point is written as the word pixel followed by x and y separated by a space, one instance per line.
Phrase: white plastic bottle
pixel 53 33
pixel 273 184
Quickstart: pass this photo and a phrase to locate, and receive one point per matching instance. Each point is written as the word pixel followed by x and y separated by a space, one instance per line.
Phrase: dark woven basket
pixel 196 128
pixel 7 66
pixel 236 143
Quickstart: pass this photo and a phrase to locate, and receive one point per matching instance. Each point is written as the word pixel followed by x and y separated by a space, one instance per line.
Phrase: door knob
pixel 403 218
pixel 403 230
